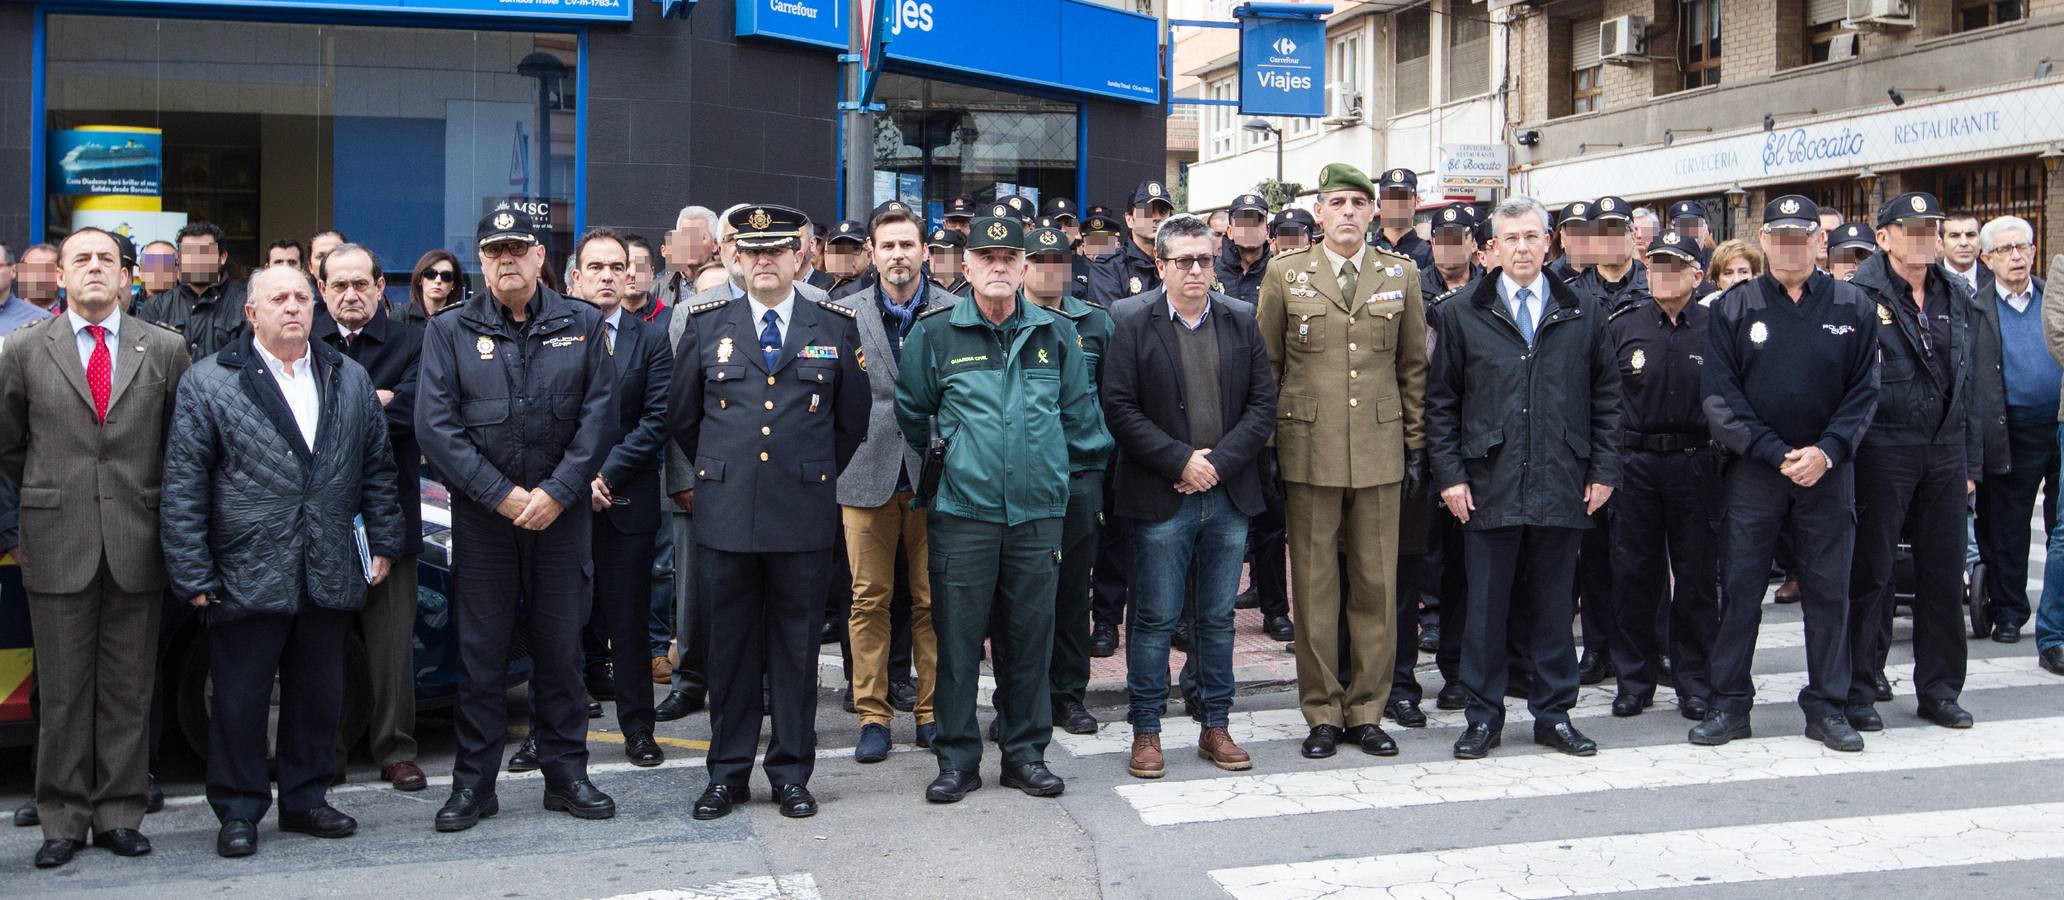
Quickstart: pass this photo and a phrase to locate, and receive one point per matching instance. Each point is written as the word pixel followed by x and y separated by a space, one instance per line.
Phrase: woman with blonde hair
pixel 1734 261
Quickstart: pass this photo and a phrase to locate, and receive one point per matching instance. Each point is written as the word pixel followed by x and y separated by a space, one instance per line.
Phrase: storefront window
pixel 939 140
pixel 1988 190
pixel 402 138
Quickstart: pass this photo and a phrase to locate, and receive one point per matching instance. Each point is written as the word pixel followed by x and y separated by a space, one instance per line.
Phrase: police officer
pixel 1454 251
pixel 1131 270
pixel 1615 277
pixel 1099 239
pixel 1046 280
pixel 1399 200
pixel 1063 213
pixel 769 405
pixel 1688 219
pixel 1346 336
pixel 945 246
pixel 515 408
pixel 1573 228
pixel 1244 254
pixel 1790 382
pixel 1024 209
pixel 959 210
pixel 1918 464
pixel 1848 246
pixel 1664 518
pixel 1003 382
pixel 845 256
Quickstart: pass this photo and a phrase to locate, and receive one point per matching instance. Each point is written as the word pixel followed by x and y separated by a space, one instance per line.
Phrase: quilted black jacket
pixel 254 515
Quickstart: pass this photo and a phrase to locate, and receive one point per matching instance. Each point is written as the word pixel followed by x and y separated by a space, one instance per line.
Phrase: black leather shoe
pixel 525 759
pixel 1692 708
pixel 1452 696
pixel 1864 718
pixel 1180 640
pixel 1103 642
pixel 795 800
pixel 1630 705
pixel 2005 633
pixel 902 696
pixel 594 709
pixel 1593 668
pixel 26 816
pixel 951 785
pixel 2052 659
pixel 1476 742
pixel 322 821
pixel 1946 714
pixel 1429 639
pixel 642 750
pixel 846 701
pixel 1372 740
pixel 580 799
pixel 238 837
pixel 153 796
pixel 829 635
pixel 465 809
pixel 1072 718
pixel 1666 674
pixel 995 731
pixel 599 685
pixel 1565 738
pixel 1834 733
pixel 57 852
pixel 1322 742
pixel 1882 687
pixel 717 799
pixel 122 841
pixel 1719 727
pixel 678 704
pixel 1033 779
pixel 1279 629
pixel 1406 713
pixel 1247 599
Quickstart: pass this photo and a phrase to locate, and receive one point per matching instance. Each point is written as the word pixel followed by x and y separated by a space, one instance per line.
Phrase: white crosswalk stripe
pixel 765 887
pixel 1634 862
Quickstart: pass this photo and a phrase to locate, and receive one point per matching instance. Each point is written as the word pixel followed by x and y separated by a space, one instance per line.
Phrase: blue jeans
pixel 1210 532
pixel 2049 613
pixel 661 627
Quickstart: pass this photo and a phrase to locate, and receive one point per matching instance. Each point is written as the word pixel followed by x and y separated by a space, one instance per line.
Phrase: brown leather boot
pixel 1216 745
pixel 1146 756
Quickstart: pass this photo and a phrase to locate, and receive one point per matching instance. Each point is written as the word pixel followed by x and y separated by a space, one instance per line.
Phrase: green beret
pixel 1343 177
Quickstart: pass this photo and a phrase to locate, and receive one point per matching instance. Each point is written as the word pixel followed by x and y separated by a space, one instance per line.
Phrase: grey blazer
pixel 678 475
pixel 88 491
pixel 870 479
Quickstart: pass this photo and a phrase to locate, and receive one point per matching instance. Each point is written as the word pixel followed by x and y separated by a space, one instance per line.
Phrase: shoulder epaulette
pixel 934 311
pixel 157 325
pixel 710 305
pixel 831 307
pixel 1393 254
pixel 446 308
pixel 1092 303
pixel 1290 253
pixel 1625 310
pixel 1438 298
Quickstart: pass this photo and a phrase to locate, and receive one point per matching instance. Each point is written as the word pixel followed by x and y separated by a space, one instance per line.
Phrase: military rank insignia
pixel 817 351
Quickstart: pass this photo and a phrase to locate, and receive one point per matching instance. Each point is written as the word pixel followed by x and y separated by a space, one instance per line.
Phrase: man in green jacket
pixel 1007 385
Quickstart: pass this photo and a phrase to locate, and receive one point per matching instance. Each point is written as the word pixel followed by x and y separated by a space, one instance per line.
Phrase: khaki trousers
pixel 872 536
pixel 1362 523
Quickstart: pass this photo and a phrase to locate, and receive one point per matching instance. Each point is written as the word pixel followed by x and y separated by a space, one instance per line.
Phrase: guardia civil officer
pixel 770 404
pixel 1244 253
pixel 1003 382
pixel 1664 523
pixel 1917 466
pixel 515 407
pixel 1131 270
pixel 1400 199
pixel 1791 383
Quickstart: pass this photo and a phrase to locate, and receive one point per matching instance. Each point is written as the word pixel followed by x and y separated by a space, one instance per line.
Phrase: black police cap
pixel 505 223
pixel 1791 211
pixel 1917 205
pixel 767 227
pixel 1149 193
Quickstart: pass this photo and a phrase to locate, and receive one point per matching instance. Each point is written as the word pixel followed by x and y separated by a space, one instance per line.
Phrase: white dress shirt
pixel 297 382
pixel 113 324
pixel 614 319
pixel 1970 276
pixel 2019 301
pixel 1536 303
pixel 784 314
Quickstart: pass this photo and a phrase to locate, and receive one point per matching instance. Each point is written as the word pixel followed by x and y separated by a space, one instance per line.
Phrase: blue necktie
pixel 1525 318
pixel 770 338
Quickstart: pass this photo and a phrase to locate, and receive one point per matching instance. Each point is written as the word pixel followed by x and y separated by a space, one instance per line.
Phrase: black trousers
pixel 765 613
pixel 306 651
pixel 1418 586
pixel 1595 616
pixel 2005 502
pixel 1267 544
pixel 543 580
pixel 1917 491
pixel 1114 566
pixel 1068 672
pixel 1513 569
pixel 1665 528
pixel 621 615
pixel 1760 504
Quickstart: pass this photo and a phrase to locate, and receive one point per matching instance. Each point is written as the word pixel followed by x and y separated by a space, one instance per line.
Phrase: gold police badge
pixel 1920 204
pixel 1606 204
pixel 1048 238
pixel 1135 284
pixel 724 350
pixel 504 220
pixel 485 346
pixel 1788 207
pixel 1153 189
pixel 759 220
pixel 1884 314
pixel 1639 360
pixel 1397 174
pixel 1758 333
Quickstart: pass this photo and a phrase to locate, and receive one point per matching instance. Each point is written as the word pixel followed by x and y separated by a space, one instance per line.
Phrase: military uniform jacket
pixel 1013 402
pixel 1122 274
pixel 1351 370
pixel 767 444
pixel 500 405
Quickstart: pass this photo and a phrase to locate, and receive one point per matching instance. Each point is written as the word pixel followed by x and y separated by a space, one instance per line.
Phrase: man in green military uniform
pixel 1046 282
pixel 1007 385
pixel 1346 336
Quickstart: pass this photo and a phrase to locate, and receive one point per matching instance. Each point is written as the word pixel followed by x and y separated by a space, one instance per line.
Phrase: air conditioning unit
pixel 1624 40
pixel 1343 104
pixel 1880 14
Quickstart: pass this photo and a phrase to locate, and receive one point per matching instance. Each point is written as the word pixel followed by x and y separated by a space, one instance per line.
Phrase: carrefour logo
pixel 1284 45
pixel 910 14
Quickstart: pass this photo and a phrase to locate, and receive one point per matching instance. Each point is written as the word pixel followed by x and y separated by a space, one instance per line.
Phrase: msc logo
pixel 910 14
pixel 1284 45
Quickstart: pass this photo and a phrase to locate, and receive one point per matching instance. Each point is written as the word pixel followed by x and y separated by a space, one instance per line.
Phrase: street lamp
pixel 549 72
pixel 1261 126
pixel 1867 181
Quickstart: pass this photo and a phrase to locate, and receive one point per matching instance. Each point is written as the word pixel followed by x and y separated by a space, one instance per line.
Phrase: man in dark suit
pixel 85 404
pixel 771 406
pixel 626 491
pixel 356 324
pixel 1190 401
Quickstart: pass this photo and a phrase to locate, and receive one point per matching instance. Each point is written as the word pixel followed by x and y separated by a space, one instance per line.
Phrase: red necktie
pixel 100 371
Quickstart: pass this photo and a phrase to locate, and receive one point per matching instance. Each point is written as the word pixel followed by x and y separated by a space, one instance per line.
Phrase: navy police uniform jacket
pixel 1122 274
pixel 767 444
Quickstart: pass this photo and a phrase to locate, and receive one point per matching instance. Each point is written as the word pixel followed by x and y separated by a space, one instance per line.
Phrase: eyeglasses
pixel 506 248
pixel 1181 263
pixel 2012 249
pixel 443 275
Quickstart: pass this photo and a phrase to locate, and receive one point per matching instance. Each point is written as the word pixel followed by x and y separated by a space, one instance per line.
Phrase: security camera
pixel 1529 137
